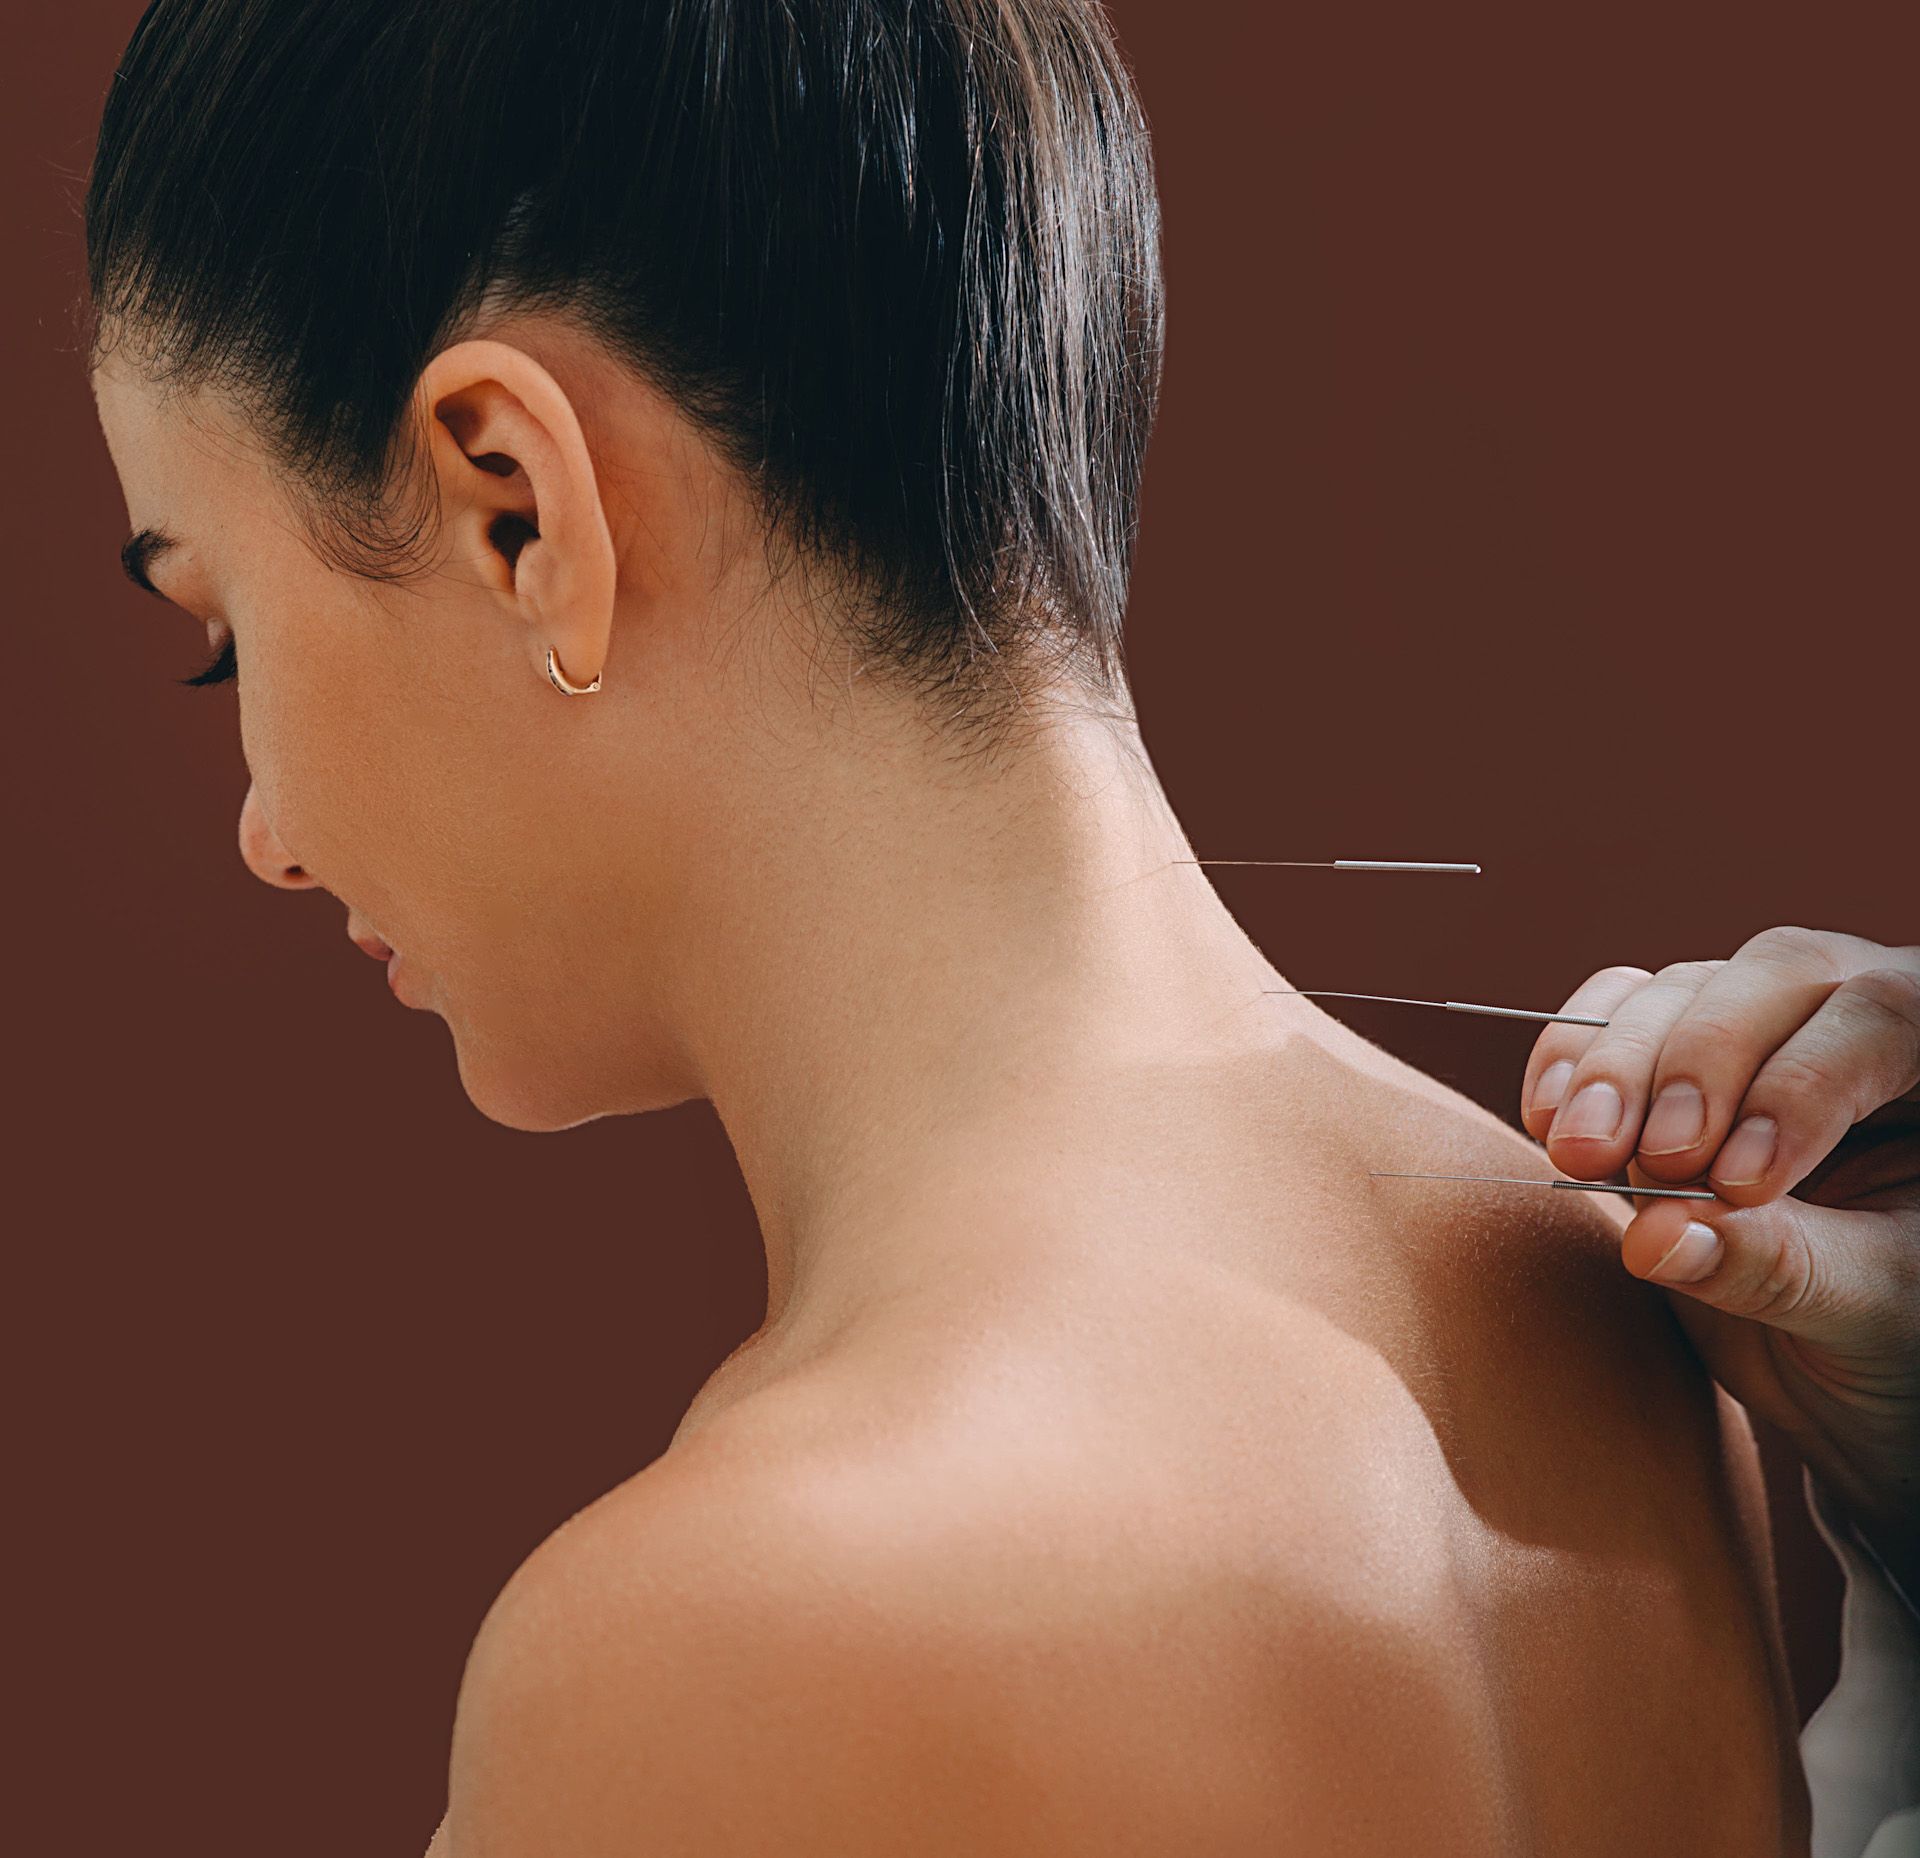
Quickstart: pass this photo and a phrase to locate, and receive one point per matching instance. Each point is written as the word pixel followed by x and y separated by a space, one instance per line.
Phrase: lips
pixel 361 934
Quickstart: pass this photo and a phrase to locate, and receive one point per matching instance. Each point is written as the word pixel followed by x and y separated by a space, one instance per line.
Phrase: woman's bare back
pixel 1406 1487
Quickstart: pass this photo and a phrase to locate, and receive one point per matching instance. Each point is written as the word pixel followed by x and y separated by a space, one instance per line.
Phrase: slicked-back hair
pixel 899 260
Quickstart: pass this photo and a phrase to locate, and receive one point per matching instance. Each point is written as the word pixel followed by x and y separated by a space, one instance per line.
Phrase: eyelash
pixel 223 669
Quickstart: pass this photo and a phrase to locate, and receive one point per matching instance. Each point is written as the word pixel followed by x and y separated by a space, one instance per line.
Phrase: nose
pixel 265 856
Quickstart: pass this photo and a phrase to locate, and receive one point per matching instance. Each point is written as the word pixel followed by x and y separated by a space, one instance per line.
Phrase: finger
pixel 1845 1279
pixel 1559 1048
pixel 1598 1121
pixel 1749 1007
pixel 1858 1052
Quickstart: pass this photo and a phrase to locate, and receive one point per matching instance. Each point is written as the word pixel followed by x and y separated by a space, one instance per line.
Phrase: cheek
pixel 408 778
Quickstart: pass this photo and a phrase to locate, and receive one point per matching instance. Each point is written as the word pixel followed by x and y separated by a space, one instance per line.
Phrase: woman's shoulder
pixel 1345 1515
pixel 983 1593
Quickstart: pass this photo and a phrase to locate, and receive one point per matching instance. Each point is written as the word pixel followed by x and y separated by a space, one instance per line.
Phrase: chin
pixel 542 1091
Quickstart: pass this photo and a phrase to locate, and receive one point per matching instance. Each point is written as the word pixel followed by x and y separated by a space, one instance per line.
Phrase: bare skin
pixel 1119 1468
pixel 1287 1511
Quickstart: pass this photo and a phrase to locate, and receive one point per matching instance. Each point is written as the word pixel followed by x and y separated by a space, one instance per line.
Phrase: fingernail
pixel 1747 1153
pixel 1594 1114
pixel 1694 1254
pixel 1677 1120
pixel 1553 1081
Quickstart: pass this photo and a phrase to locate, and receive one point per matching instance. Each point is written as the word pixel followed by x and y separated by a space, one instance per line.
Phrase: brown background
pixel 1538 441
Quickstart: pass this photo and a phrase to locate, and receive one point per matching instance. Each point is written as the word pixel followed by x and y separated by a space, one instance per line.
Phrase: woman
pixel 667 474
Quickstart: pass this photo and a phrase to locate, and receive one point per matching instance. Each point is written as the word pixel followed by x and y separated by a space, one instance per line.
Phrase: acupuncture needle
pixel 1339 864
pixel 1452 1006
pixel 1528 1180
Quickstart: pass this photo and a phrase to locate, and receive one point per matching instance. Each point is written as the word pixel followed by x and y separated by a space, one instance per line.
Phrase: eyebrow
pixel 140 551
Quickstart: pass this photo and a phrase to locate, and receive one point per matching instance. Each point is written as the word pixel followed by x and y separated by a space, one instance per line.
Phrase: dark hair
pixel 899 259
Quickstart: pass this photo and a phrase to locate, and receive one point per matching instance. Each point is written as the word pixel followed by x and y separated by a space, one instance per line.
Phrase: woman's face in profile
pixel 406 754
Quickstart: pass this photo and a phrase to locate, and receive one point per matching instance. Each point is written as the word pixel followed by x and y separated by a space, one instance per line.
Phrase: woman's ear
pixel 520 499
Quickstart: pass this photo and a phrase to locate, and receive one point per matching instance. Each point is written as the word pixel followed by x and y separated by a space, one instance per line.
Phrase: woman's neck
pixel 915 970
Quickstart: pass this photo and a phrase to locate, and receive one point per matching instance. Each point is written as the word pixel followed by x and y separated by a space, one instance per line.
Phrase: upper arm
pixel 695 1696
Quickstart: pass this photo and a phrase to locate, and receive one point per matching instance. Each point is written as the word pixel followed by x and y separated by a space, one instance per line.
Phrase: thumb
pixel 1844 1279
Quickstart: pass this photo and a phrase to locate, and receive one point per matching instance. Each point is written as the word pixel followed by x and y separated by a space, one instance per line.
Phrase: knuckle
pixel 1617 1056
pixel 1888 999
pixel 1893 992
pixel 1688 974
pixel 1790 945
pixel 1604 983
pixel 1783 1274
pixel 1802 1076
pixel 1711 1028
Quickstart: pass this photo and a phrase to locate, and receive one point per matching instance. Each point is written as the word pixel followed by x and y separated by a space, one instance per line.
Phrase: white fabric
pixel 1861 1747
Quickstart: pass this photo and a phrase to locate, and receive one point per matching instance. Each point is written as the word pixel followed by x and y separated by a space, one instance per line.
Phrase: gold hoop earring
pixel 561 684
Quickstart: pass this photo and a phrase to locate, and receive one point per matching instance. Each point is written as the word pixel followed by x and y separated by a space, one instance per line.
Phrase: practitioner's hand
pixel 1794 1065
